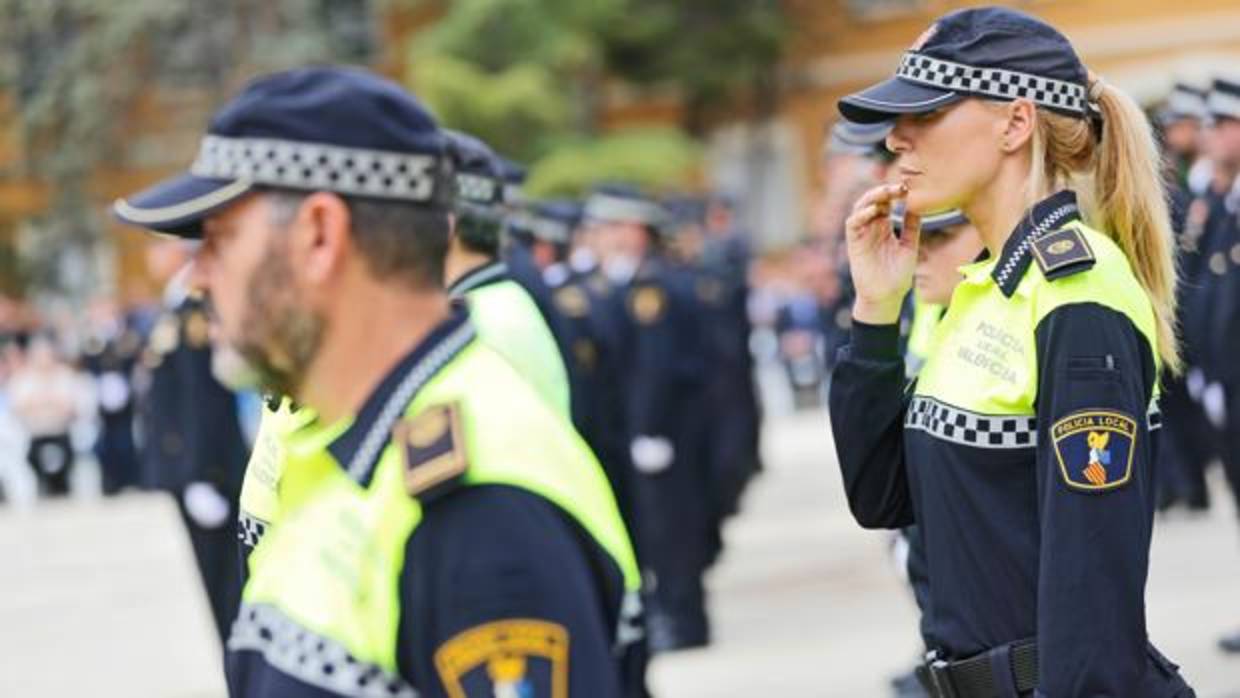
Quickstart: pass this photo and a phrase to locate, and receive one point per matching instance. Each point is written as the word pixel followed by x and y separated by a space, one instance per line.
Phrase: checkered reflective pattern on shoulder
pixel 993 82
pixel 971 428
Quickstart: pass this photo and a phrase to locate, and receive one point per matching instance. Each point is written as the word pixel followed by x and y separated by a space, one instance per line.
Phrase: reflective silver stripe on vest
pixel 984 430
pixel 309 657
pixel 971 428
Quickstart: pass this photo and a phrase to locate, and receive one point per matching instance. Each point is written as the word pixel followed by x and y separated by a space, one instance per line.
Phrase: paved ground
pixel 99 599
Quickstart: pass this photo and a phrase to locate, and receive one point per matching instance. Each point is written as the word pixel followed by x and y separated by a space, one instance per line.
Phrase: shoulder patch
pixel 572 301
pixel 518 658
pixel 1063 253
pixel 647 303
pixel 432 449
pixel 1095 448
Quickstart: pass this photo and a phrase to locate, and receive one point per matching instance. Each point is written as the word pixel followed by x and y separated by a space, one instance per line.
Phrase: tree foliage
pixel 529 77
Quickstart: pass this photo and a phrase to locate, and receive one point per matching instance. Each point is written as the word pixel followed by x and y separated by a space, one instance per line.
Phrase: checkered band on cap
pixel 315 166
pixel 993 82
pixel 1224 104
pixel 477 189
pixel 543 228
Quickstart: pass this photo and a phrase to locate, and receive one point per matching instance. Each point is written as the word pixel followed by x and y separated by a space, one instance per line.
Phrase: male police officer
pixel 440 530
pixel 505 314
pixel 192 445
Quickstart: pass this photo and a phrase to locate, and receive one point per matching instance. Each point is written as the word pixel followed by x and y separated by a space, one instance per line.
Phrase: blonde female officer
pixel 1037 539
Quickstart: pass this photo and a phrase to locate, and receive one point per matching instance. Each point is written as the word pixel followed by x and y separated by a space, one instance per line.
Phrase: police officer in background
pixel 506 316
pixel 441 531
pixel 1218 212
pixel 1189 443
pixel 663 349
pixel 587 332
pixel 191 445
pixel 110 353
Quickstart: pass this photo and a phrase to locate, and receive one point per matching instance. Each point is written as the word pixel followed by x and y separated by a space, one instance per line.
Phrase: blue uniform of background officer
pixel 664 364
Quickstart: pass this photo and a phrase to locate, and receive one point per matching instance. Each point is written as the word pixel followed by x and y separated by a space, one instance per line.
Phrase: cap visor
pixel 177 206
pixel 891 98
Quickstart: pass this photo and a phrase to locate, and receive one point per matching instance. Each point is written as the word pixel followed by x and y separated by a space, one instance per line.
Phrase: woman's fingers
pixel 882 194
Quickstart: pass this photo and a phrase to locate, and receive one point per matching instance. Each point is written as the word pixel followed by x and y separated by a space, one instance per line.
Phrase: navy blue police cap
pixel 990 52
pixel 623 203
pixel 931 224
pixel 1224 99
pixel 686 209
pixel 1184 102
pixel 552 220
pixel 851 138
pixel 514 174
pixel 336 129
pixel 479 174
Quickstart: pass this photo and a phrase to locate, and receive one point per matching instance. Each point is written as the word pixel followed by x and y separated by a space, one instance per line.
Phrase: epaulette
pixel 1063 253
pixel 432 448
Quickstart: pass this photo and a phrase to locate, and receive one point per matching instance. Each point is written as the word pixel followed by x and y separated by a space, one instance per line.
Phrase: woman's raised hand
pixel 881 264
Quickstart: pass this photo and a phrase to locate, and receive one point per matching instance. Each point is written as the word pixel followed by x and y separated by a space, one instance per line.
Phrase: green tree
pixel 528 76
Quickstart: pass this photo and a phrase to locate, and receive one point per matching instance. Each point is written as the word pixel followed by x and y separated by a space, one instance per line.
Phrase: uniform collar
pixel 357 448
pixel 491 273
pixel 1045 216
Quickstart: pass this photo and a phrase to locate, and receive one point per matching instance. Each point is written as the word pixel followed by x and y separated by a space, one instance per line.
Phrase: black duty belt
pixel 999 673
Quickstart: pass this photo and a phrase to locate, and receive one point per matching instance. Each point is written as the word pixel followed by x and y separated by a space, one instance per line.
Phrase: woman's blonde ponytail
pixel 1113 163
pixel 1131 201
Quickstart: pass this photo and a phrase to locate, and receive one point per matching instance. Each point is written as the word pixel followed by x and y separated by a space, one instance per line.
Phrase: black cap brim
pixel 891 98
pixel 178 206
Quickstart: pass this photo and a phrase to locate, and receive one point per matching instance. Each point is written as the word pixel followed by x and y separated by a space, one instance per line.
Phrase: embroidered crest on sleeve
pixel 517 658
pixel 1095 449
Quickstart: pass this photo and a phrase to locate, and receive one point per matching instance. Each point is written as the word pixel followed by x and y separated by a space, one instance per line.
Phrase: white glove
pixel 1195 381
pixel 1214 402
pixel 651 454
pixel 205 505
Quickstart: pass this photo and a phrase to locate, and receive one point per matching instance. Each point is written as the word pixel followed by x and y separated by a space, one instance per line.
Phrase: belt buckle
pixel 940 679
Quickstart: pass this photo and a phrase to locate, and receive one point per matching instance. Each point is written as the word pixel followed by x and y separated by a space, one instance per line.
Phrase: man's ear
pixel 321 235
pixel 1021 121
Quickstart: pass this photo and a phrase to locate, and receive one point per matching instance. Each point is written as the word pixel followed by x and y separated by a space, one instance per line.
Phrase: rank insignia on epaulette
pixel 1062 253
pixel 647 304
pixel 1095 449
pixel 572 301
pixel 432 448
pixel 518 657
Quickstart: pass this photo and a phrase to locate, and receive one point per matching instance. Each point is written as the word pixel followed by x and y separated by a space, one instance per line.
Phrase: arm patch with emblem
pixel 1063 253
pixel 519 658
pixel 1095 448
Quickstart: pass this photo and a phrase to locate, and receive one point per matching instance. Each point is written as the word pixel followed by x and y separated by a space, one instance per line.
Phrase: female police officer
pixel 1024 450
